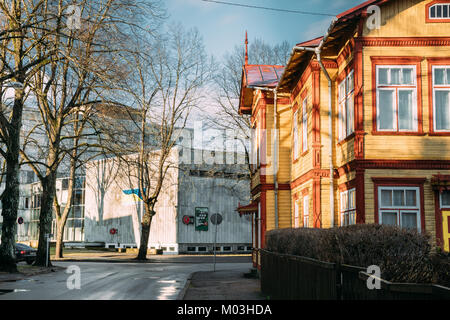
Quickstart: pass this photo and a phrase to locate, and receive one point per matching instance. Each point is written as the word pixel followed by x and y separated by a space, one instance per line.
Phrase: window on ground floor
pixel 348 207
pixel 306 211
pixel 399 206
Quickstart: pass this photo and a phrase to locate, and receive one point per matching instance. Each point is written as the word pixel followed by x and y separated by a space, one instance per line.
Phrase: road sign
pixel 216 218
pixel 20 220
pixel 201 219
pixel 188 219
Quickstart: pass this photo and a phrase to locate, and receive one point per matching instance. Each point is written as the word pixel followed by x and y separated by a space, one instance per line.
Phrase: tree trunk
pixel 10 197
pixel 59 238
pixel 45 217
pixel 145 230
pixel 10 205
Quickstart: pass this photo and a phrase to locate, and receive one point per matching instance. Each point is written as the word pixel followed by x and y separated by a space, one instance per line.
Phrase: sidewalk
pixel 26 271
pixel 222 285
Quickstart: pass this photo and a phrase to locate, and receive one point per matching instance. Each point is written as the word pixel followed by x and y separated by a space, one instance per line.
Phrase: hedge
pixel 403 255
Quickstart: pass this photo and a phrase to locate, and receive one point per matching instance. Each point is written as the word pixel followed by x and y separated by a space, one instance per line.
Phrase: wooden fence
pixel 299 278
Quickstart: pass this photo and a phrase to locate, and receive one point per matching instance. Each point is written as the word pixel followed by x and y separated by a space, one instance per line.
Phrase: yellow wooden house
pixel 356 127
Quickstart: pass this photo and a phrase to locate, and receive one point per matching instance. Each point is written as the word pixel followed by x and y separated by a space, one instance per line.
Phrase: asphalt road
pixel 113 281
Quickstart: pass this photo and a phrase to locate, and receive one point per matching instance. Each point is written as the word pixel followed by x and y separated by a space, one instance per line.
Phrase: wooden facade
pixel 390 111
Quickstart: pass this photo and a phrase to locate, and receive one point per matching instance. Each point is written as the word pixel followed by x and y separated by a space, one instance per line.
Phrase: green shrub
pixel 403 255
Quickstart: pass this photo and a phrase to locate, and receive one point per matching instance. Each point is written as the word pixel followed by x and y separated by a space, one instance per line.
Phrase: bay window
pixel 396 98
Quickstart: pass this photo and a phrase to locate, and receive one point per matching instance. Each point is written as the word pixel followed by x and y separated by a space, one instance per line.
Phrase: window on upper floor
pixel 295 135
pixel 439 11
pixel 346 106
pixel 396 98
pixel 441 98
pixel 304 126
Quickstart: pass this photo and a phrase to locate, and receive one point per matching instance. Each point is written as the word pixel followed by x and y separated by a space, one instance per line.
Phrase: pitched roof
pixel 262 75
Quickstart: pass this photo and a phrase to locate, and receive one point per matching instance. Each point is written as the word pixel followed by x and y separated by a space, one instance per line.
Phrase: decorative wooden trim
pixel 305 192
pixel 315 120
pixel 321 173
pixel 346 52
pixel 344 73
pixel 431 62
pixel 317 214
pixel 404 41
pixel 347 185
pixel 400 182
pixel 427 10
pixel 377 61
pixel 263 218
pixel 359 103
pixel 360 196
pixel 301 82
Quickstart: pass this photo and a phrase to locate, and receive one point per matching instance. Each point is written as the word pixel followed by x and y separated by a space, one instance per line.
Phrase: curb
pixel 21 276
pixel 183 291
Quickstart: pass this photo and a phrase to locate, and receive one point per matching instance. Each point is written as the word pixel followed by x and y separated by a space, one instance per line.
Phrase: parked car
pixel 25 253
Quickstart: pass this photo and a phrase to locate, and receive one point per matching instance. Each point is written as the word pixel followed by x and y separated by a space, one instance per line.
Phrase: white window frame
pixel 304 125
pixel 400 209
pixel 443 87
pixel 346 209
pixel 295 136
pixel 306 211
pixel 396 88
pixel 346 127
pixel 296 214
pixel 441 5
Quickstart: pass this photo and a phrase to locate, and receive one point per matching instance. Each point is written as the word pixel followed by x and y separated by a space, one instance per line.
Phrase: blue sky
pixel 223 26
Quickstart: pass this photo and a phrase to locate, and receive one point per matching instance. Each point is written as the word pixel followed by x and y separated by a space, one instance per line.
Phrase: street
pixel 116 281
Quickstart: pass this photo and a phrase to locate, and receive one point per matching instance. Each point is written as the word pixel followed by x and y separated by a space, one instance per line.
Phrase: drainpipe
pixel 275 149
pixel 318 51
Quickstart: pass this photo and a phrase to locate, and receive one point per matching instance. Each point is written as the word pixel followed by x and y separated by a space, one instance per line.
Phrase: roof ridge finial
pixel 246 48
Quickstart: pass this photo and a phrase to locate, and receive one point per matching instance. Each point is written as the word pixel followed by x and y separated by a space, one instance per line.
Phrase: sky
pixel 223 26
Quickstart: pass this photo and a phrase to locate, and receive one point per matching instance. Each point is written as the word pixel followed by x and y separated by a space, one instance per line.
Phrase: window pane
pixel 442 116
pixel 433 12
pixel 383 76
pixel 386 198
pixel 342 91
pixel 406 114
pixel 439 11
pixel 408 76
pixel 395 75
pixel 445 199
pixel 342 120
pixel 439 76
pixel 399 198
pixel 445 12
pixel 350 83
pixel 386 110
pixel 409 220
pixel 411 199
pixel 448 73
pixel 389 218
pixel 350 118
pixel 351 199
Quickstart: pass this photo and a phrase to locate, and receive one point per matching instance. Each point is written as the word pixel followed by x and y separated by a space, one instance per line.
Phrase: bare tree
pixel 228 85
pixel 77 71
pixel 18 64
pixel 165 85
